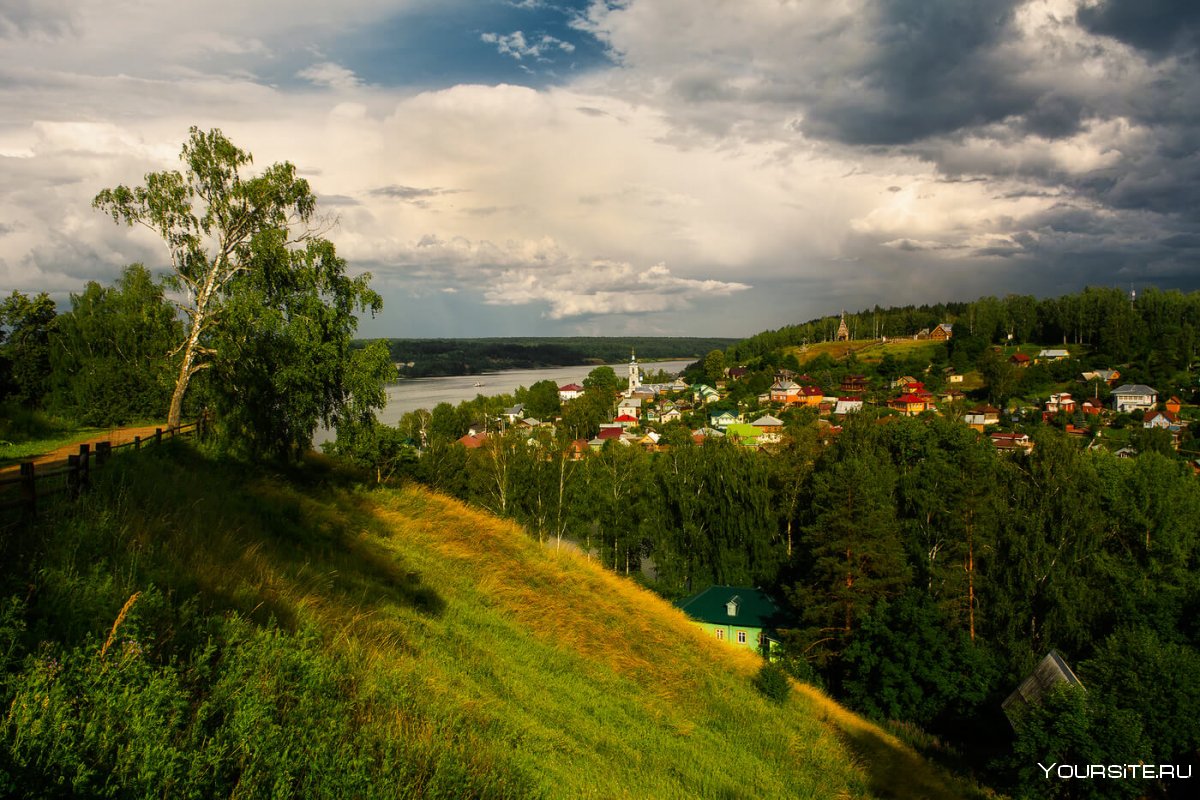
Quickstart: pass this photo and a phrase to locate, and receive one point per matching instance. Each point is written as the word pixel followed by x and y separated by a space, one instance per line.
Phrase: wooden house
pixel 740 615
pixel 854 384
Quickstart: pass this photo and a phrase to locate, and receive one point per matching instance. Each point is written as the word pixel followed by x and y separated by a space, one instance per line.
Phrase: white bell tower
pixel 635 378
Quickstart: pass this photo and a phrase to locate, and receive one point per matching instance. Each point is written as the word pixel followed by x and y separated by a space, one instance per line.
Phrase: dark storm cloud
pixel 1158 27
pixel 931 72
pixel 1159 183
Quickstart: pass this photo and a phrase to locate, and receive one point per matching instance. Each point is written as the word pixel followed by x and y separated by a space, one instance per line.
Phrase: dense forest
pixel 1157 325
pixel 423 358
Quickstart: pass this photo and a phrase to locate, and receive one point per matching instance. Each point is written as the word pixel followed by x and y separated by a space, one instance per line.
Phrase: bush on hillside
pixel 773 683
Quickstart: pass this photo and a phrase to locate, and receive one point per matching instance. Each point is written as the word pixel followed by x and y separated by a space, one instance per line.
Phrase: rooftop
pixel 754 607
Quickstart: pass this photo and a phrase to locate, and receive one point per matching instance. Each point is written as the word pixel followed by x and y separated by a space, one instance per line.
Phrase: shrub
pixel 773 683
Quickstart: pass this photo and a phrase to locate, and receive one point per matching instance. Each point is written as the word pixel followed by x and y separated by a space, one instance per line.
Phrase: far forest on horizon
pixel 428 358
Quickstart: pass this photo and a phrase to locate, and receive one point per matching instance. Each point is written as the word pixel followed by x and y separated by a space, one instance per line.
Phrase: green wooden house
pixel 740 615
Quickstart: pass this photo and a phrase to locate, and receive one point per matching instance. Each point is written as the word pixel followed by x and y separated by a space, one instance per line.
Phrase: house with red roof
pixel 473 441
pixel 909 404
pixel 571 391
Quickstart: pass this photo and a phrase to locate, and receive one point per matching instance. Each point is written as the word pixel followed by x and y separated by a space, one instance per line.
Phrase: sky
pixel 614 167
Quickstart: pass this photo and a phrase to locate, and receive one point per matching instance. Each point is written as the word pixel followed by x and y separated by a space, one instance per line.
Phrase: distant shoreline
pixel 450 358
pixel 591 364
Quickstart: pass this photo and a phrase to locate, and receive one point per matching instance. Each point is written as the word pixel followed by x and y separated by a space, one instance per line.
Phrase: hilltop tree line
pixel 924 574
pixel 1160 329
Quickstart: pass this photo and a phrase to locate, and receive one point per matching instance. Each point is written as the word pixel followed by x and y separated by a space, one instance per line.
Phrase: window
pixel 720 633
pixel 741 637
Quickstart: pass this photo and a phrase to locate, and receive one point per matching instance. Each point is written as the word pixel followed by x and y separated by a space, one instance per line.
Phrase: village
pixel 1093 406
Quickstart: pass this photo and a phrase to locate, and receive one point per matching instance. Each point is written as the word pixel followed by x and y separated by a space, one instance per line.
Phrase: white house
pixel 1134 397
pixel 571 391
pixel 1161 419
pixel 725 418
pixel 630 406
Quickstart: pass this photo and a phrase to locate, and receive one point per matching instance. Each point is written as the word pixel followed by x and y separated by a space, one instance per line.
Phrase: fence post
pixel 158 435
pixel 137 443
pixel 73 477
pixel 103 451
pixel 29 488
pixel 85 460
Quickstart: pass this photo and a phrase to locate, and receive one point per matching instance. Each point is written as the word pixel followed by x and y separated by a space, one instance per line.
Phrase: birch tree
pixel 225 232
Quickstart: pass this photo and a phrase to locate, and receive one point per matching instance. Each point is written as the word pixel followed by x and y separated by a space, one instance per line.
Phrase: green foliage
pixel 110 351
pixel 602 380
pixel 542 400
pixel 714 366
pixel 21 425
pixel 715 519
pixel 1001 376
pixel 854 552
pixel 1158 681
pixel 582 417
pixel 908 662
pixel 1074 727
pixel 1152 440
pixel 772 682
pixel 447 423
pixel 27 325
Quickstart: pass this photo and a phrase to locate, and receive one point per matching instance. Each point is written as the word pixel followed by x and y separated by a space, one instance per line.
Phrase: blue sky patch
pixel 471 42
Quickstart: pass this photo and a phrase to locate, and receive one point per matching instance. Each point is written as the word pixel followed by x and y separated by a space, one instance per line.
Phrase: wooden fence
pixel 32 485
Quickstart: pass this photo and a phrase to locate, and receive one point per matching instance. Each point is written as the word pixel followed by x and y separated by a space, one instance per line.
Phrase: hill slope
pixel 194 628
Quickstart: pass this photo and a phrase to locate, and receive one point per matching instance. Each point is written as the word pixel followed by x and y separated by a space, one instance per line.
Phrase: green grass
pixel 195 627
pixel 25 433
pixel 867 351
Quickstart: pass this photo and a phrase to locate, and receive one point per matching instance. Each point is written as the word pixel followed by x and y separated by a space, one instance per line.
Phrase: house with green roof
pixel 740 615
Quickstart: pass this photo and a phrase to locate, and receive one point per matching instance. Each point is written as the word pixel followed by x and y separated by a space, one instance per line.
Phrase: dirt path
pixel 58 457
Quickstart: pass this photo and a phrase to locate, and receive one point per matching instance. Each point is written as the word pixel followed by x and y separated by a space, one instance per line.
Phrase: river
pixel 413 393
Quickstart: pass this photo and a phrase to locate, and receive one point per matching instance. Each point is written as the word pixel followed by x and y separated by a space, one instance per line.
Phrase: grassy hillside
pixel 866 350
pixel 191 628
